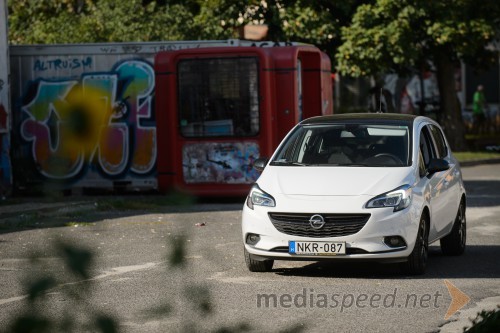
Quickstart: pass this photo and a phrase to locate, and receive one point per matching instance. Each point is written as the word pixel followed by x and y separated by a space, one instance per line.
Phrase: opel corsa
pixel 356 187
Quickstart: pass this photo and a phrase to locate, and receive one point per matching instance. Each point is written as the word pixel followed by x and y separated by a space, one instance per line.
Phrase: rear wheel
pixel 454 243
pixel 256 265
pixel 417 260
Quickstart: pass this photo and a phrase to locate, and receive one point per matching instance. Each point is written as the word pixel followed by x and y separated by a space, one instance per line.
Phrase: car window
pixel 421 164
pixel 426 146
pixel 441 149
pixel 370 145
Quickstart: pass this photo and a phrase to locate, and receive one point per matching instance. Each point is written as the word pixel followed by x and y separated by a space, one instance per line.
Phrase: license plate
pixel 316 248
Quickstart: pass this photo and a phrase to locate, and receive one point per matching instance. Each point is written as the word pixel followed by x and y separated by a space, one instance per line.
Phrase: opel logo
pixel 317 221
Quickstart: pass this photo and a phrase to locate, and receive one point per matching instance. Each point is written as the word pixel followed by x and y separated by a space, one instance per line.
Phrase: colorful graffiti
pixel 220 162
pixel 103 122
pixel 59 64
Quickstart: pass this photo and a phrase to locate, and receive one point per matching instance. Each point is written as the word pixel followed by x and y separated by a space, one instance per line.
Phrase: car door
pixel 434 184
pixel 450 193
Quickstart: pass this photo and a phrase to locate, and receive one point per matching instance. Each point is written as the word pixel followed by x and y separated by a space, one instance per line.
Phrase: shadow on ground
pixel 482 193
pixel 83 210
pixel 479 261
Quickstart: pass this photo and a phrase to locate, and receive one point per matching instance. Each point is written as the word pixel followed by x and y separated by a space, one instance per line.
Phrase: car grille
pixel 336 225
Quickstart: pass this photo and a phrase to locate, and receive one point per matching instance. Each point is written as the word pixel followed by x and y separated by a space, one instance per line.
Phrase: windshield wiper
pixel 281 162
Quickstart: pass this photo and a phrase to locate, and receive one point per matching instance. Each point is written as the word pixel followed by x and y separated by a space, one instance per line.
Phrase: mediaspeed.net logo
pixel 308 298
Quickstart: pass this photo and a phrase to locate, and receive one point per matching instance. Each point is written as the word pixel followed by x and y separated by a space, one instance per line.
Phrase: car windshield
pixel 352 145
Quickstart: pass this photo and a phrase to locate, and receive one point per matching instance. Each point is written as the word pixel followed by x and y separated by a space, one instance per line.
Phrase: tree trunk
pixel 273 21
pixel 450 115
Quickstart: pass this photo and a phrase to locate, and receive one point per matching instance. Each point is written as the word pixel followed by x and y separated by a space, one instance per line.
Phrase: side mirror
pixel 437 165
pixel 260 164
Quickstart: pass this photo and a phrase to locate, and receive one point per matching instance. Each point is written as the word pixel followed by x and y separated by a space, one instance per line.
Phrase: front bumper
pixel 366 244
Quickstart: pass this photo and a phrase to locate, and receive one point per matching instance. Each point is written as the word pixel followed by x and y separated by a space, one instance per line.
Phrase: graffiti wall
pixel 83 118
pixel 5 167
pixel 220 162
pixel 102 121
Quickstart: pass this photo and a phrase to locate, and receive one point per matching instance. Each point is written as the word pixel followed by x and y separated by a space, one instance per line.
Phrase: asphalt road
pixel 132 279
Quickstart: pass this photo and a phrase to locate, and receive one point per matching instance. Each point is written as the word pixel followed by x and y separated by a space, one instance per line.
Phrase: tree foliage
pixel 406 35
pixel 363 37
pixel 80 21
pixel 316 22
pixel 394 35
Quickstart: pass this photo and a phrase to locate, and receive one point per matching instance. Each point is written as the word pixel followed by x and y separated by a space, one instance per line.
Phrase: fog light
pixel 394 241
pixel 252 239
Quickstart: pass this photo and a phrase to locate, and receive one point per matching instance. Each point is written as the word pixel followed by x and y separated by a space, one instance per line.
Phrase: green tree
pixel 400 35
pixel 404 35
pixel 137 20
pixel 315 22
pixel 46 22
pixel 86 21
pixel 79 21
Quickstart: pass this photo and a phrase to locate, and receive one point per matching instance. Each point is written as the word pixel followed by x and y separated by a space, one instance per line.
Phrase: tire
pixel 417 260
pixel 453 244
pixel 256 265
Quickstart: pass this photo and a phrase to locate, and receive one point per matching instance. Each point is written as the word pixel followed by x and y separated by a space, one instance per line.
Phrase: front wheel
pixel 256 265
pixel 454 243
pixel 417 260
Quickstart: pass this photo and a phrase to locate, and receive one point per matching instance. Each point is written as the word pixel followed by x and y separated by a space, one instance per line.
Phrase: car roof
pixel 362 117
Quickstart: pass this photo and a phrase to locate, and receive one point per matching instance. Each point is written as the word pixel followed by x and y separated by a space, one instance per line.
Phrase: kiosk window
pixel 218 97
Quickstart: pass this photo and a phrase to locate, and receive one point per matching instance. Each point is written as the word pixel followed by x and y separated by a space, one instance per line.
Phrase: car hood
pixel 332 181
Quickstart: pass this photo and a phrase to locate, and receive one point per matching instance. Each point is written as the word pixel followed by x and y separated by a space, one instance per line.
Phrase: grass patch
pixel 485 136
pixel 475 156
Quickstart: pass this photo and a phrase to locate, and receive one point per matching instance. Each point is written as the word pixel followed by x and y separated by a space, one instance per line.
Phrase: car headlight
pixel 399 198
pixel 258 197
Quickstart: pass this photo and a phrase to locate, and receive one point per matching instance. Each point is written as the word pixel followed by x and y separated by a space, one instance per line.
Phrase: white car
pixel 356 187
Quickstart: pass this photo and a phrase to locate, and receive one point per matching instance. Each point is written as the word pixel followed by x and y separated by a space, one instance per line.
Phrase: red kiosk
pixel 218 109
